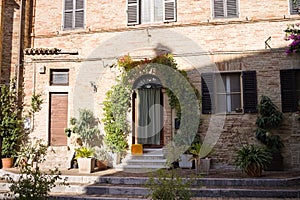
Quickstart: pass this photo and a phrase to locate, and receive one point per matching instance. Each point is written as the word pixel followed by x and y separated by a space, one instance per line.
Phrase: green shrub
pixel 169 186
pixel 253 159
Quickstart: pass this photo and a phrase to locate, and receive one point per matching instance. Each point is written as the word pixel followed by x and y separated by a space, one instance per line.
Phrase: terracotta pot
pixel 101 165
pixel 7 162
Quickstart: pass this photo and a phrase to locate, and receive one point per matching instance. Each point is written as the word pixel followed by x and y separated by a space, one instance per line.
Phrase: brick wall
pixel 199 44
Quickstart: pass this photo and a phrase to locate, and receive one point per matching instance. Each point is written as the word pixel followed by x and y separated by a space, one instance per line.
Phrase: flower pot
pixel 7 162
pixel 86 165
pixel 101 165
pixel 202 165
pixel 185 161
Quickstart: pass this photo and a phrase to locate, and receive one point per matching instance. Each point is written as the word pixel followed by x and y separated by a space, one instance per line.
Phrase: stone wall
pixel 199 43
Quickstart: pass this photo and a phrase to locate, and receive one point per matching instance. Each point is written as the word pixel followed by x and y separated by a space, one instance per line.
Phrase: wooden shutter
pixel 249 91
pixel 133 12
pixel 232 8
pixel 79 14
pixel 207 86
pixel 218 8
pixel 169 10
pixel 294 7
pixel 288 84
pixel 68 14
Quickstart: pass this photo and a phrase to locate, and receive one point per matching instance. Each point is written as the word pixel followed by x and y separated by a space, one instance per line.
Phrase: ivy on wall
pixel 118 99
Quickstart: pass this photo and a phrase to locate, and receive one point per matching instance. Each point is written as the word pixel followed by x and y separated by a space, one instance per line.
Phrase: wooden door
pixel 58 118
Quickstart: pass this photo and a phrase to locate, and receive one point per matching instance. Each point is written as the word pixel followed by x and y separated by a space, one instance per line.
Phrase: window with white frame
pixel 150 11
pixel 234 92
pixel 228 93
pixel 73 17
pixel 59 77
pixel 225 8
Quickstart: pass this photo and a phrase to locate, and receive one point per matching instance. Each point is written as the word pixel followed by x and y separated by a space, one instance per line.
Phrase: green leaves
pixel 253 159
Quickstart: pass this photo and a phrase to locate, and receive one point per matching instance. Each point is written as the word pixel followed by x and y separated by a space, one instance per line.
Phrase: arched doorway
pixel 148 112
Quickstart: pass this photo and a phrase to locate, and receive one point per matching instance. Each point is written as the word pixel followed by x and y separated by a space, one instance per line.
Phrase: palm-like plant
pixel 84 152
pixel 253 159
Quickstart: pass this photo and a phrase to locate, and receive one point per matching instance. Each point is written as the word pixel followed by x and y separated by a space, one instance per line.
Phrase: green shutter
pixel 133 12
pixel 249 91
pixel 232 8
pixel 169 10
pixel 294 7
pixel 218 8
pixel 288 84
pixel 207 88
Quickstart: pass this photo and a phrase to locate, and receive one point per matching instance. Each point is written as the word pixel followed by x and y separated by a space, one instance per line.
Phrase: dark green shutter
pixel 288 84
pixel 249 91
pixel 133 12
pixel 169 10
pixel 207 87
pixel 219 8
pixel 232 8
pixel 294 7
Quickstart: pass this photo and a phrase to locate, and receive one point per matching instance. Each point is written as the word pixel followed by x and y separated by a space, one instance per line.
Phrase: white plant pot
pixel 86 165
pixel 185 161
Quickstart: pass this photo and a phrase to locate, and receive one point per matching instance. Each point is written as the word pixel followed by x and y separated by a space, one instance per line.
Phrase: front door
pixel 148 117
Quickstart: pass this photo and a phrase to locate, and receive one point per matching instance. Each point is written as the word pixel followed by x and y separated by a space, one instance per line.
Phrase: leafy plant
pixel 32 182
pixel 86 126
pixel 36 102
pixel 253 159
pixel 11 124
pixel 270 118
pixel 169 186
pixel 84 152
pixel 31 151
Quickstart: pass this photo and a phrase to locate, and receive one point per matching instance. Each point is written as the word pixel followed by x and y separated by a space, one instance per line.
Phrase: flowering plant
pixel 293 33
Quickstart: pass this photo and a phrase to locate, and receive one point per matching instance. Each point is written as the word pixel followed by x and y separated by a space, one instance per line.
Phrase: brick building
pixel 241 41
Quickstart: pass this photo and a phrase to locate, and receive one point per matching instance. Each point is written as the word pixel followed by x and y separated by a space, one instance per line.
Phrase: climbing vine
pixel 117 102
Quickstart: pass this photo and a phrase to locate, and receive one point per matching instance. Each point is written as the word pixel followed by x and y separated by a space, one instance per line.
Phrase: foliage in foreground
pixel 169 186
pixel 32 182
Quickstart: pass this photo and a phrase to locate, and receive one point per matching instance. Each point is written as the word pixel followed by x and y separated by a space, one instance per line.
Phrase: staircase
pixel 150 160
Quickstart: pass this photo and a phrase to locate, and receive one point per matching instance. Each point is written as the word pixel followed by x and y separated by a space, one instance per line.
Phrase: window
pixel 73 14
pixel 59 77
pixel 290 89
pixel 225 8
pixel 229 92
pixel 150 11
pixel 294 7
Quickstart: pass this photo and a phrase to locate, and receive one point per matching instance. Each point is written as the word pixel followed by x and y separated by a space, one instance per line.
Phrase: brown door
pixel 58 118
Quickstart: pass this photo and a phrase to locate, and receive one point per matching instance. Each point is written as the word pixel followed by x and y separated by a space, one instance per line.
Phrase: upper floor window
pixel 225 8
pixel 290 89
pixel 73 14
pixel 150 11
pixel 294 7
pixel 229 92
pixel 59 77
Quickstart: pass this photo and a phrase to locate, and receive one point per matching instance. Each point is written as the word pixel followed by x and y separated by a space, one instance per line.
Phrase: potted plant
pixel 11 124
pixel 270 119
pixel 102 158
pixel 85 158
pixel 200 155
pixel 253 159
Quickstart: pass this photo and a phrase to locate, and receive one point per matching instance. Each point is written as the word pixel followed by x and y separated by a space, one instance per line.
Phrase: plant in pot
pixel 11 124
pixel 102 158
pixel 85 158
pixel 200 154
pixel 253 159
pixel 268 121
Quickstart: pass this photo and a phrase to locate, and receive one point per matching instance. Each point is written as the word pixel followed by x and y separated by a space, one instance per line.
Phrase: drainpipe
pixel 20 53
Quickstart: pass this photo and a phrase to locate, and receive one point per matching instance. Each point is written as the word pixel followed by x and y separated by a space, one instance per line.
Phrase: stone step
pixel 146 157
pixel 160 162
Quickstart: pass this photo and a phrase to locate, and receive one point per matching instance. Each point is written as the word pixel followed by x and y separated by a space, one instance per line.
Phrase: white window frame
pixel 225 11
pixel 74 10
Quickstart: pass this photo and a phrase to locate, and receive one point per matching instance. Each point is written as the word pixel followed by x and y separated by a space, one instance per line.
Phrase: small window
pixel 73 14
pixel 225 8
pixel 290 89
pixel 59 77
pixel 150 11
pixel 229 92
pixel 294 7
